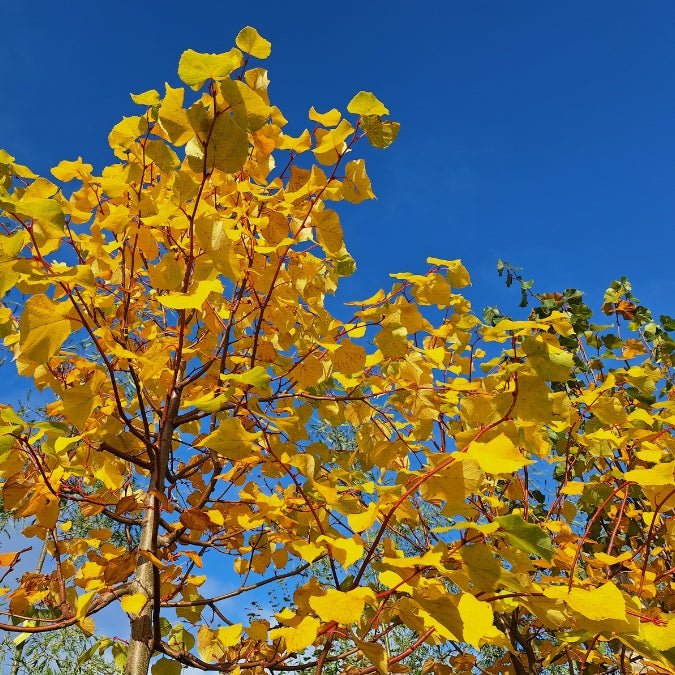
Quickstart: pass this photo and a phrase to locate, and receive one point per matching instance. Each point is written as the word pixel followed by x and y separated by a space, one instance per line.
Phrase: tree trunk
pixel 144 626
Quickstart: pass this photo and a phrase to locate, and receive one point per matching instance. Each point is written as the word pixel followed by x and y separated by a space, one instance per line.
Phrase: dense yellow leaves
pixel 406 478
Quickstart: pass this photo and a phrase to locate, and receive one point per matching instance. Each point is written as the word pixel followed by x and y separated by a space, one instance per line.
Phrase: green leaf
pixel 228 147
pixel 162 155
pixel 381 133
pixel 526 536
pixel 548 360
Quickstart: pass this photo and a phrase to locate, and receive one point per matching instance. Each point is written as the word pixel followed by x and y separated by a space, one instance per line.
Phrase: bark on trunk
pixel 144 627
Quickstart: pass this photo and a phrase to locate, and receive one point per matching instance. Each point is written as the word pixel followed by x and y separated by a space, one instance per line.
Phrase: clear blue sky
pixel 537 132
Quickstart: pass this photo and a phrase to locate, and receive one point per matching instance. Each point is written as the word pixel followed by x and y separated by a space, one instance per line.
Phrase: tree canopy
pixel 506 488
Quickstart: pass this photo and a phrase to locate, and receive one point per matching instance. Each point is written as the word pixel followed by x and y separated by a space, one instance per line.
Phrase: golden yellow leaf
pixel 251 42
pixel 343 607
pixel 359 522
pixel 498 456
pixel 134 603
pixel 230 440
pixel 328 119
pixel 349 357
pixel 298 637
pixel 477 619
pixel 661 474
pixel 366 103
pixel 195 68
pixel 43 329
pixel 193 299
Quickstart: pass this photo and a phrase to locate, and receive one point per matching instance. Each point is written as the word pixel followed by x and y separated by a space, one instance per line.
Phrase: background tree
pixel 174 306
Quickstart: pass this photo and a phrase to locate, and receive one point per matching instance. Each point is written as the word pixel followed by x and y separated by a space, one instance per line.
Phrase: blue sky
pixel 536 132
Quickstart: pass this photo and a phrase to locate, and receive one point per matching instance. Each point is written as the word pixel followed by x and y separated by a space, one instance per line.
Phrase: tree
pixel 509 495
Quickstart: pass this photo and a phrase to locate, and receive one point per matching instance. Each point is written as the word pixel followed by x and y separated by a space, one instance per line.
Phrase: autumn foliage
pixel 505 483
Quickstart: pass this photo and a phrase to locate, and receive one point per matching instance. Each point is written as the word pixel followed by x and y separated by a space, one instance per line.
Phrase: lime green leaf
pixel 251 42
pixel 526 536
pixel 195 68
pixel 366 103
pixel 42 209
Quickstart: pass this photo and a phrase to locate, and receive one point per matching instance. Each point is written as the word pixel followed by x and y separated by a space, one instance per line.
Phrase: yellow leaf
pixel 356 186
pixel 195 298
pixel 251 42
pixel 366 103
pixel 43 329
pixel 661 474
pixel 376 654
pixel 345 551
pixel 150 97
pixel 173 117
pixel 342 607
pixel 605 602
pixel 133 604
pixel 477 619
pixel 349 358
pixel 229 635
pixel 82 604
pixel 498 456
pixel 364 520
pixel 307 550
pixel 329 119
pixel 66 170
pixel 230 440
pixel 195 68
pixel 298 637
pixel 328 230
pixel 6 559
